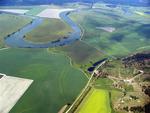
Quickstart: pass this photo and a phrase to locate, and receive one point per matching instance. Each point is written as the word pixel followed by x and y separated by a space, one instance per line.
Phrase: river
pixel 17 39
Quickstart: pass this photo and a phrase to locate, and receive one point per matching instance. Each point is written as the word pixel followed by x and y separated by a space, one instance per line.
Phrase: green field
pixel 131 31
pixel 97 101
pixel 49 30
pixel 103 83
pixel 9 24
pixel 56 82
pixel 82 53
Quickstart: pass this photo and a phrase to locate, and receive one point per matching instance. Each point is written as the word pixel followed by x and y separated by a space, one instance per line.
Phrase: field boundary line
pixel 70 60
pixel 4 49
pixel 87 85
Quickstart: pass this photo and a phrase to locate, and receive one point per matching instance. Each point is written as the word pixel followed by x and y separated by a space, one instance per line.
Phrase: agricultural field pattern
pixel 74 58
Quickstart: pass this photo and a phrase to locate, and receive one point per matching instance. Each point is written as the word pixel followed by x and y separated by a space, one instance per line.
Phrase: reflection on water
pixel 17 39
pixel 91 69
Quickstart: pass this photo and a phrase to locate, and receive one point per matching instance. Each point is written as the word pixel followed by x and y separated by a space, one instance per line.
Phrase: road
pixel 87 85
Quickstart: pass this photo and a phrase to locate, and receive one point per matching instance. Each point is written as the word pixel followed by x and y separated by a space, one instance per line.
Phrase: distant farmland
pixel 129 29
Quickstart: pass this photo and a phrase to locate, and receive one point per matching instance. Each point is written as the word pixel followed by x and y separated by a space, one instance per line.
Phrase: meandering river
pixel 17 39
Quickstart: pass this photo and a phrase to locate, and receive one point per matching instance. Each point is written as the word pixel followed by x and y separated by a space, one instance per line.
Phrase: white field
pixel 52 13
pixel 108 29
pixel 17 11
pixel 11 89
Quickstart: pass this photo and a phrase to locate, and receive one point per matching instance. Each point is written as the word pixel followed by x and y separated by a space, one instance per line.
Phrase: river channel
pixel 17 39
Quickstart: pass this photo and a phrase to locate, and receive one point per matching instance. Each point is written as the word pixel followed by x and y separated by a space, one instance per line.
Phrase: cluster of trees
pixel 139 60
pixel 146 90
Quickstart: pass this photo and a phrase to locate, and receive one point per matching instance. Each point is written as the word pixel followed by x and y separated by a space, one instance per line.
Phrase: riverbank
pixel 12 41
